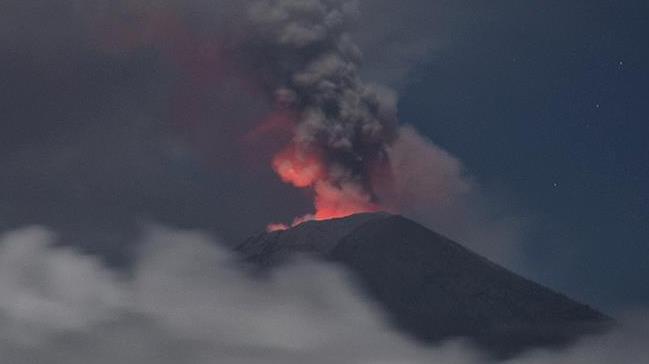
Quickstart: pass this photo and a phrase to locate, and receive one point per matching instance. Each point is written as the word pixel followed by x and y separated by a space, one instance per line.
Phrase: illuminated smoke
pixel 344 125
pixel 295 64
pixel 298 168
pixel 299 55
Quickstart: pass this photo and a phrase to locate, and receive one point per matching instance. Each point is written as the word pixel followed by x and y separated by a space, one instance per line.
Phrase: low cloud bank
pixel 189 301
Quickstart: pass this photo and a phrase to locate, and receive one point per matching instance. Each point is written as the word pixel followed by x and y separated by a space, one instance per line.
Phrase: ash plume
pixel 343 125
pixel 234 87
pixel 347 145
pixel 297 55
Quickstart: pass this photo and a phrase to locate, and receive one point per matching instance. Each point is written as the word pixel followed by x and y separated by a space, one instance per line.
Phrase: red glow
pixel 336 213
pixel 334 202
pixel 276 227
pixel 280 121
pixel 298 168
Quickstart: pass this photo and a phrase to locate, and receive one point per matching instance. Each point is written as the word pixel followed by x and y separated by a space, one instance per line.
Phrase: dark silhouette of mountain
pixel 432 287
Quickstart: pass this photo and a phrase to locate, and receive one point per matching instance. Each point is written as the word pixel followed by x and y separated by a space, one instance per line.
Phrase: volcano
pixel 432 287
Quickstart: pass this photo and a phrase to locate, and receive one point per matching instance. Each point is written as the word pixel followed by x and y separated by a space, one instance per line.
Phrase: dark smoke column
pixel 343 127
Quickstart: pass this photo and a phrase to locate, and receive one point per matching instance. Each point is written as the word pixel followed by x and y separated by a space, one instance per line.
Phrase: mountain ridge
pixel 433 288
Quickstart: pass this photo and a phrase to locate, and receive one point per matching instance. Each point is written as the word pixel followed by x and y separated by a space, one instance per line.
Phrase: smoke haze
pixel 173 111
pixel 186 112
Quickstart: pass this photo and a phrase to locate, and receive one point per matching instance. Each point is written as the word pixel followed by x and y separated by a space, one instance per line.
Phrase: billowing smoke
pixel 298 57
pixel 342 125
pixel 186 110
pixel 346 144
pixel 89 84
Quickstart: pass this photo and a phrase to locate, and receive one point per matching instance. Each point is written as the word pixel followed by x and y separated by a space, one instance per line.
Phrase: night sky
pixel 545 104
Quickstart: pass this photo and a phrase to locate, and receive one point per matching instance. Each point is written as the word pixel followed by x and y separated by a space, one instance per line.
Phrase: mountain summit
pixel 431 287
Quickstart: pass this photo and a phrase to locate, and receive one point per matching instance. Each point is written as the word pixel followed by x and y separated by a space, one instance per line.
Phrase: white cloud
pixel 189 301
pixel 46 289
pixel 185 294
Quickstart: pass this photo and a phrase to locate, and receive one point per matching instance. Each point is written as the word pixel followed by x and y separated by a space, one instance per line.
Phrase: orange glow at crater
pixel 334 202
pixel 332 199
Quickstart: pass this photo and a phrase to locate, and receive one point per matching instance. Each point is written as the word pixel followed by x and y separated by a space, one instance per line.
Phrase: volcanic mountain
pixel 431 287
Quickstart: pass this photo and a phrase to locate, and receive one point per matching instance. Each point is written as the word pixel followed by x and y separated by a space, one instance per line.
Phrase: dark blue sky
pixel 548 103
pixel 545 102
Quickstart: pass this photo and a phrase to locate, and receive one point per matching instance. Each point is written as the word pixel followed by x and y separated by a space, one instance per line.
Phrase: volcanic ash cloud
pixel 342 126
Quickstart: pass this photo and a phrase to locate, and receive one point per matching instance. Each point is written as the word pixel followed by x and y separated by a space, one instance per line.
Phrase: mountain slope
pixel 432 287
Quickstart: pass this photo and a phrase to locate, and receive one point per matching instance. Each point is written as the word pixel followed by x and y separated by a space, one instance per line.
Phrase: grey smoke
pixel 434 187
pixel 92 89
pixel 353 125
pixel 347 123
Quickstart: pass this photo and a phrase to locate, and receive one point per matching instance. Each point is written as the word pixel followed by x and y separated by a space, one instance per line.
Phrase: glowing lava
pixel 332 200
pixel 340 201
